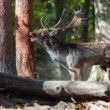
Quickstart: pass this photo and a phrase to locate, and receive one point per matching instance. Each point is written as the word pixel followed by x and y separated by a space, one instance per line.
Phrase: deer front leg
pixel 76 74
pixel 75 66
pixel 80 74
pixel 73 75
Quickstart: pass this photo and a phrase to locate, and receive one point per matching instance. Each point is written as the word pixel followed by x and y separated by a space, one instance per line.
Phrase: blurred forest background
pixel 52 9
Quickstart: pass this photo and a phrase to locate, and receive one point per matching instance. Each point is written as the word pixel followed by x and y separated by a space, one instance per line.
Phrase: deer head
pixel 47 33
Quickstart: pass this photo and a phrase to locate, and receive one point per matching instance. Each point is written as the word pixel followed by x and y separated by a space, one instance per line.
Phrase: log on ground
pixel 54 89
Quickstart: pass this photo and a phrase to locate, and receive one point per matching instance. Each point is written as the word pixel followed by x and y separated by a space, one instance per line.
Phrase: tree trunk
pixel 102 31
pixel 102 20
pixel 85 27
pixel 7 56
pixel 59 6
pixel 25 62
pixel 55 89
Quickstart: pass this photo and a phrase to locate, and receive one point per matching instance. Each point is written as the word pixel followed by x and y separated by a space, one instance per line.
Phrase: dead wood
pixel 54 89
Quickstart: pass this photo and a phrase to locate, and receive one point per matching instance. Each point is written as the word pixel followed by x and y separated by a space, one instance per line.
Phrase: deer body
pixel 73 56
pixel 78 57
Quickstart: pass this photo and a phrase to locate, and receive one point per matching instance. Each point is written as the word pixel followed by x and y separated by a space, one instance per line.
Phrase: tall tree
pixel 25 62
pixel 85 27
pixel 102 20
pixel 59 6
pixel 7 57
pixel 102 31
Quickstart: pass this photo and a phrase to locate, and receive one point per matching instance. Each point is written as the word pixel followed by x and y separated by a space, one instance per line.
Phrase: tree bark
pixel 55 89
pixel 25 61
pixel 7 56
pixel 59 6
pixel 85 27
pixel 102 22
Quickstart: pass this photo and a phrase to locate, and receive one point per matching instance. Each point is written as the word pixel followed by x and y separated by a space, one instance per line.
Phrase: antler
pixel 46 24
pixel 60 23
pixel 76 21
pixel 41 21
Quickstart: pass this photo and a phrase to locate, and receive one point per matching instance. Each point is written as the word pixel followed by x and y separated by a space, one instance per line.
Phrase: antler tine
pixel 76 21
pixel 41 21
pixel 46 24
pixel 61 21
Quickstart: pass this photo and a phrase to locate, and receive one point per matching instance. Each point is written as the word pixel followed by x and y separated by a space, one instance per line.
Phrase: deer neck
pixel 58 53
pixel 52 44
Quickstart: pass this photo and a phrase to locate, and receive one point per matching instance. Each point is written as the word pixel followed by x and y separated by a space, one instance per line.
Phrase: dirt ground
pixel 17 101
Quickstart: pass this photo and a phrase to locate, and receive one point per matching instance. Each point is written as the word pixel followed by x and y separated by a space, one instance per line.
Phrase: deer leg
pixel 73 75
pixel 76 74
pixel 80 74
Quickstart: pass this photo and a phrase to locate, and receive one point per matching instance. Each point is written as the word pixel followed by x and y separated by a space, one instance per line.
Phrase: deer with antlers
pixel 75 57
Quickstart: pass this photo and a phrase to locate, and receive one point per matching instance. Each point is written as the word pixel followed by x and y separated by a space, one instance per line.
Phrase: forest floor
pixel 17 101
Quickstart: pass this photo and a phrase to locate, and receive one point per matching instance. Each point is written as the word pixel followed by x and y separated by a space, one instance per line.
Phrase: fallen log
pixel 54 89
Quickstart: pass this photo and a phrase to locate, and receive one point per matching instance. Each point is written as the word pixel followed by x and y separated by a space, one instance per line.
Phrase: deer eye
pixel 42 34
pixel 52 33
pixel 50 30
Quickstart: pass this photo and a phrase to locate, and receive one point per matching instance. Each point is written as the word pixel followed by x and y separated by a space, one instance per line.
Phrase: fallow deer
pixel 75 57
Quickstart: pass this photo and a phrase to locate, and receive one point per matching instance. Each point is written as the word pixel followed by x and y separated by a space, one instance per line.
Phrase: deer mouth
pixel 32 36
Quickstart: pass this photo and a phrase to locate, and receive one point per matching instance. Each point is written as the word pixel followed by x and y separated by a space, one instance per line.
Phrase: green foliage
pixel 42 9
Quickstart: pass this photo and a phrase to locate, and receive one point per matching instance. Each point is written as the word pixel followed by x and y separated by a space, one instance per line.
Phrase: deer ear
pixel 53 33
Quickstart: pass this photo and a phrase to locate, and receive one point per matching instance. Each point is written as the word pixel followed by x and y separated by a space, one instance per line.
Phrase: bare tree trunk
pixel 59 6
pixel 102 31
pixel 7 57
pixel 85 27
pixel 25 62
pixel 102 20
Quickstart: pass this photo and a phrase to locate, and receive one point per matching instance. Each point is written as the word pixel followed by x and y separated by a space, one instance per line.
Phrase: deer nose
pixel 32 33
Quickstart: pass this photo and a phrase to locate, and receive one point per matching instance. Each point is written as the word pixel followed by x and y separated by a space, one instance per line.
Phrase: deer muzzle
pixel 32 34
